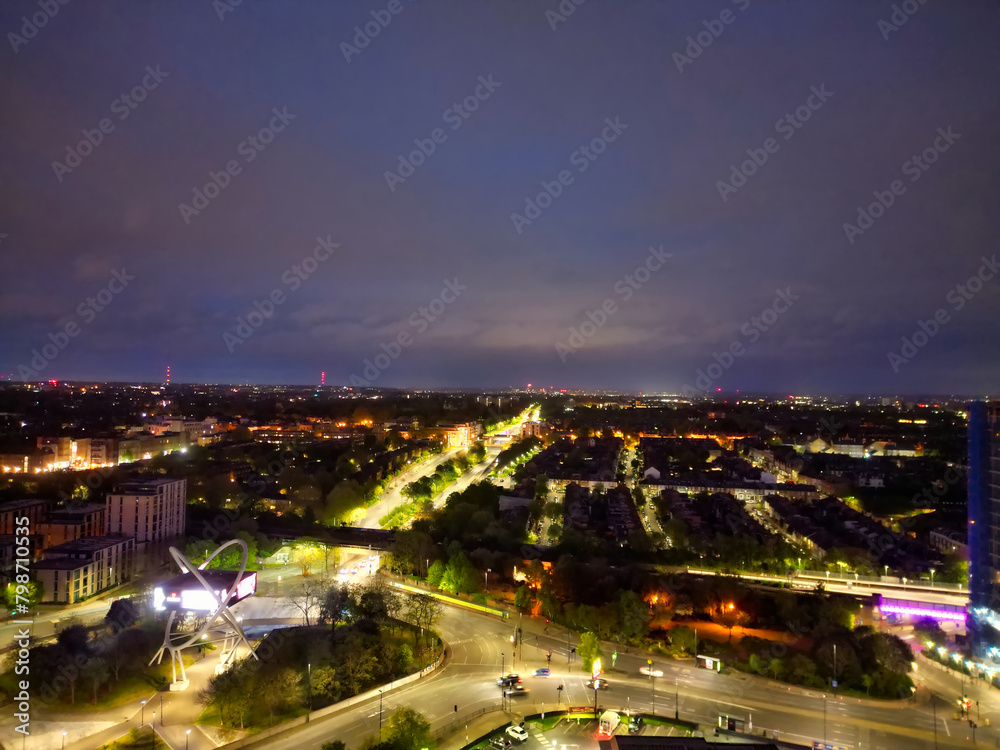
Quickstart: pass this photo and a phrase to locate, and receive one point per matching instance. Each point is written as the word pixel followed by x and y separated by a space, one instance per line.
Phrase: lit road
pixel 392 496
pixel 477 473
pixel 480 650
pixel 45 624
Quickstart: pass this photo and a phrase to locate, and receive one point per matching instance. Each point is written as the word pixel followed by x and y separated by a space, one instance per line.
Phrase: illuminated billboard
pixel 186 593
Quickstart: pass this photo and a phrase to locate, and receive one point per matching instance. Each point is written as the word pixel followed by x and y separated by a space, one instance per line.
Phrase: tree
pixel 927 629
pixel 402 659
pixel 307 557
pixel 407 729
pixel 410 551
pixel 683 639
pixel 309 597
pixel 541 486
pixel 359 668
pixel 278 690
pixel 632 613
pixel 121 614
pixel 31 594
pixel 95 670
pixel 589 650
pixel 423 611
pixel 325 685
pixel 868 681
pixel 777 667
pixel 524 597
pixel 335 602
pixel 343 502
pixel 435 573
pixel 334 745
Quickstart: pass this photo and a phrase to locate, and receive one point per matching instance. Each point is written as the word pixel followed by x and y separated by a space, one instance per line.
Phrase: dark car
pixel 500 743
pixel 635 725
pixel 508 680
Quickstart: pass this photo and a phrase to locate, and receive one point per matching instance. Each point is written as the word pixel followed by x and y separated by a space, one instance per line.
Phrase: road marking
pixel 946 726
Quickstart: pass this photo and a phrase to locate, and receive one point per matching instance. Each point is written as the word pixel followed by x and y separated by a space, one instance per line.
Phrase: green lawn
pixel 128 689
pixel 137 738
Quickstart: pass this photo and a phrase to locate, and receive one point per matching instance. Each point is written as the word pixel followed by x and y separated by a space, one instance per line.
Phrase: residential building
pixel 33 510
pixel 151 510
pixel 949 542
pixel 76 570
pixel 70 524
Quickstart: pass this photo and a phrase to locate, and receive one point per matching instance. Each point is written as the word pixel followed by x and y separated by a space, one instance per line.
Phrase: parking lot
pixel 567 733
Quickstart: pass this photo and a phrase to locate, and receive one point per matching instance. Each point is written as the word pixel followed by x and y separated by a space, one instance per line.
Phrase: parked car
pixel 635 725
pixel 500 743
pixel 543 672
pixel 518 733
pixel 599 684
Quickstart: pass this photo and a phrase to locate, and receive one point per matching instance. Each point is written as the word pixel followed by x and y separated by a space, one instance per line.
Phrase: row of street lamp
pixel 142 722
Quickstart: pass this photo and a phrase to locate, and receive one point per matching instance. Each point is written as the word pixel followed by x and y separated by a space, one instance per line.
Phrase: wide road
pixel 392 496
pixel 480 649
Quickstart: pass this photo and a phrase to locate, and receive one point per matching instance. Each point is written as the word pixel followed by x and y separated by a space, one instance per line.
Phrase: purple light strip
pixel 937 614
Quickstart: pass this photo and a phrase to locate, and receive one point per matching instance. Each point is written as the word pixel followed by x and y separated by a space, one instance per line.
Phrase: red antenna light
pixel 168 374
pixel 322 378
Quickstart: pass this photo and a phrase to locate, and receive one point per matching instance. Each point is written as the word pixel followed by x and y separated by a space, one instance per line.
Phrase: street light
pixel 64 740
pixel 309 668
pixel 487 574
pixel 161 711
pixel 142 720
pixel 379 715
pixel 187 738
pixel 932 577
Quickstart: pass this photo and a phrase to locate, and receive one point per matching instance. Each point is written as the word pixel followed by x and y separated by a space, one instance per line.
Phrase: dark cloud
pixel 655 184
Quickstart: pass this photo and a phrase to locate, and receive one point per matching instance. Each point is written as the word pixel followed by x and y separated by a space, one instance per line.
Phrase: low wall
pixel 331 709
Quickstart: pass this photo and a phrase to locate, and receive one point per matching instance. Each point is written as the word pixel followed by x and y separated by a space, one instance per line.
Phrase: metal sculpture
pixel 232 631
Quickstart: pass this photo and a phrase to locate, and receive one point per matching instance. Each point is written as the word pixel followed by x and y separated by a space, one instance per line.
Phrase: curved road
pixel 479 649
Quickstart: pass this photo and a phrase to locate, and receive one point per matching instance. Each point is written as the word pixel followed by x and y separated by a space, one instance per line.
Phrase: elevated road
pixel 917 592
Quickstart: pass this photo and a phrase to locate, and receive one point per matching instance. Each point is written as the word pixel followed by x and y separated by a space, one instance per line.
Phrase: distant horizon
pixel 520 390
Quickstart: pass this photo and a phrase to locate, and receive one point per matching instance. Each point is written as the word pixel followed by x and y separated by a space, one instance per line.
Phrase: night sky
pixel 113 267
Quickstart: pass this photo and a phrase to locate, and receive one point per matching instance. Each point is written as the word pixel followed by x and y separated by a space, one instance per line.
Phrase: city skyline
pixel 734 195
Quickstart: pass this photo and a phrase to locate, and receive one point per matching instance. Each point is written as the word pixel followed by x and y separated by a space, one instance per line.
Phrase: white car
pixel 654 672
pixel 518 733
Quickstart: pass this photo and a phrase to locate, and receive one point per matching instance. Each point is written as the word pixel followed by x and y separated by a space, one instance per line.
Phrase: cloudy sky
pixel 445 268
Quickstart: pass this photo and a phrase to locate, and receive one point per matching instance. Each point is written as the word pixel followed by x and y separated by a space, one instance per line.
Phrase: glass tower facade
pixel 984 529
